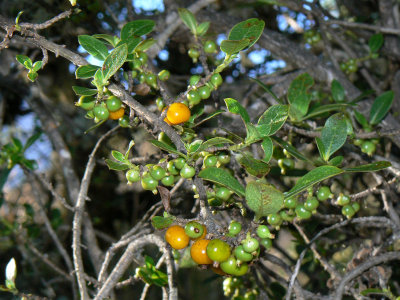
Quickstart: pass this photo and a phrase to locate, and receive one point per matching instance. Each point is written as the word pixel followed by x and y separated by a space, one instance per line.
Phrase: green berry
pixel 160 103
pixel 266 243
pixel 216 80
pixel 149 183
pixel 151 79
pixel 100 112
pixel 368 147
pixel 194 229
pixel 224 158
pixel 223 193
pixel 158 172
pixel 113 103
pixel 302 212
pixel 234 228
pixel 194 53
pixel 210 47
pixel 204 92
pixel 230 267
pixel 356 206
pixel 168 180
pixel 218 250
pixel 143 58
pixel 179 162
pixel 193 97
pixel 210 161
pixel 348 211
pixel 290 203
pixel 194 80
pixel 132 175
pixel 358 142
pixel 124 121
pixel 311 204
pixel 164 75
pixel 187 171
pixel 343 200
pixel 242 255
pixel 323 193
pixel 287 216
pixel 171 168
pixel 86 102
pixel 274 219
pixel 263 232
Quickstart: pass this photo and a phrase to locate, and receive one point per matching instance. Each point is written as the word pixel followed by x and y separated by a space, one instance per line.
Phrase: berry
pixel 160 103
pixel 287 215
pixel 115 115
pixel 234 228
pixel 368 147
pixel 194 53
pixel 250 244
pixel 210 47
pixel 216 80
pixel 263 232
pixel 179 162
pixel 223 193
pixel 343 200
pixel 151 80
pixel 210 161
pixel 218 250
pixel 187 171
pixel 323 193
pixel 171 168
pixel 194 79
pixel 194 97
pixel 86 102
pixel 266 243
pixel 132 175
pixel 176 237
pixel 178 113
pixel 149 183
pixel 168 180
pixel 274 219
pixel 348 211
pixel 204 92
pixel 311 204
pixel 194 229
pixel 113 103
pixel 356 206
pixel 286 163
pixel 302 212
pixel 158 172
pixel 143 58
pixel 164 75
pixel 100 112
pixel 290 203
pixel 198 252
pixel 230 267
pixel 124 121
pixel 242 255
pixel 224 158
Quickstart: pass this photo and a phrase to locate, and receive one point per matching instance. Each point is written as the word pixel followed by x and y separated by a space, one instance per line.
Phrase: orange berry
pixel 115 115
pixel 176 237
pixel 178 113
pixel 198 252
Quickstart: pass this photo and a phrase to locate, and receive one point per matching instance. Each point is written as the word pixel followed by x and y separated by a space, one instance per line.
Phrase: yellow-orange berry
pixel 176 237
pixel 115 115
pixel 198 252
pixel 178 113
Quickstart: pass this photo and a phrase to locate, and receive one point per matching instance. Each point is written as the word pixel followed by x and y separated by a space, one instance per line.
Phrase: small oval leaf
pixel 224 178
pixel 263 199
pixel 380 107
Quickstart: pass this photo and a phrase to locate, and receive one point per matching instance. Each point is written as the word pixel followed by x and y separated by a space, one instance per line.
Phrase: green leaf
pixel 32 139
pixel 299 97
pixel 82 91
pixel 37 66
pixel 212 142
pixel 17 143
pixel 131 43
pixel 336 161
pixel 111 39
pixel 250 29
pixel 146 44
pixel 194 146
pixel 223 177
pixel 376 166
pixel 196 112
pixel 86 71
pixel 267 89
pixel 253 135
pixel 188 19
pixel 380 107
pixel 268 148
pixel 210 116
pixel 235 107
pixel 373 291
pixel 272 119
pixel 361 119
pixel 362 96
pixel 292 150
pixel 118 156
pixel 98 79
pixel 263 199
pixel 137 28
pixel 375 42
pixel 167 147
pixel 319 110
pixel 160 223
pixel 314 176
pixel 202 28
pixel 333 135
pixel 93 46
pixel 253 166
pixel 233 47
pixel 32 76
pixel 338 93
pixel 114 61
pixel 25 61
pixel 117 166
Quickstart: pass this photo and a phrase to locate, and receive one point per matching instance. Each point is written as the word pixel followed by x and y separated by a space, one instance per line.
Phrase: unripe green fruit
pixel 194 97
pixel 250 244
pixel 86 102
pixel 132 175
pixel 158 172
pixel 223 193
pixel 266 243
pixel 143 58
pixel 100 112
pixel 160 103
pixel 263 232
pixel 204 92
pixel 224 158
pixel 210 47
pixel 151 80
pixel 210 161
pixel 124 121
pixel 179 162
pixel 218 250
pixel 311 204
pixel 368 147
pixel 216 80
pixel 356 206
pixel 149 183
pixel 164 75
pixel 168 180
pixel 187 171
pixel 287 216
pixel 343 200
pixel 194 229
pixel 323 193
pixel 274 219
pixel 348 211
pixel 290 203
pixel 234 228
pixel 230 267
pixel 194 80
pixel 302 212
pixel 194 53
pixel 242 255
pixel 113 103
